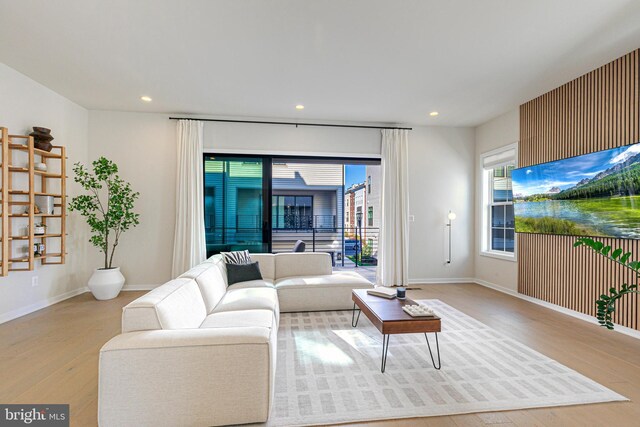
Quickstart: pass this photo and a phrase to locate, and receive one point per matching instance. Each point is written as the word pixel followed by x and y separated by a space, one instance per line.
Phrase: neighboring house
pixel 233 205
pixel 307 204
pixel 364 198
pixel 356 197
pixel 371 219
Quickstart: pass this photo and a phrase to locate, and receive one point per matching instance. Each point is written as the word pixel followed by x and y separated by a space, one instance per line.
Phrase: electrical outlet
pixel 412 218
pixel 34 281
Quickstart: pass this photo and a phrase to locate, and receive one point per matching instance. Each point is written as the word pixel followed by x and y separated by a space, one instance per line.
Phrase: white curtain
pixel 393 255
pixel 189 247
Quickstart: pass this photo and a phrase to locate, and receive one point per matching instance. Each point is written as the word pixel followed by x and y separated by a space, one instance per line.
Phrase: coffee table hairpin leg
pixel 385 349
pixel 431 354
pixel 353 316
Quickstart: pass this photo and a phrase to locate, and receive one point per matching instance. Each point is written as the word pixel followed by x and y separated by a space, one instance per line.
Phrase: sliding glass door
pixel 236 203
pixel 268 203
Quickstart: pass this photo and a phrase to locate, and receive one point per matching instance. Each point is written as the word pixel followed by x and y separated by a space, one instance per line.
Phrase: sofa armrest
pixel 187 377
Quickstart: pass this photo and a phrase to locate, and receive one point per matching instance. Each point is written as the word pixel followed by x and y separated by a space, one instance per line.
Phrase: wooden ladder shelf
pixel 18 203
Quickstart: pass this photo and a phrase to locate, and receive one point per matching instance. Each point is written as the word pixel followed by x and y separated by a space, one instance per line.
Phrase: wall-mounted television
pixel 596 194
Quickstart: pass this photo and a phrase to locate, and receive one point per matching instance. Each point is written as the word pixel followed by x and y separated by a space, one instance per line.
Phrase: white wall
pixel 143 145
pixel 441 178
pixel 441 164
pixel 25 103
pixel 306 140
pixel 496 133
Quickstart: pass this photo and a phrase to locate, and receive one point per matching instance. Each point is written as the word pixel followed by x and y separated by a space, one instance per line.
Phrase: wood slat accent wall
pixel 597 111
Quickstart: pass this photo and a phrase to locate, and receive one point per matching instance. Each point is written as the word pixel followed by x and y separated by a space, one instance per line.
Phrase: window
pixel 292 212
pixel 501 211
pixel 498 237
pixel 370 216
pixel 369 184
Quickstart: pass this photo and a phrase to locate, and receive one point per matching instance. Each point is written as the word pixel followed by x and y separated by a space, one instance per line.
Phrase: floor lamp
pixel 450 217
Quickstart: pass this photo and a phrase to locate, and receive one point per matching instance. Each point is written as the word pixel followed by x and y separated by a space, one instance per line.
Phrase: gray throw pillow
pixel 237 273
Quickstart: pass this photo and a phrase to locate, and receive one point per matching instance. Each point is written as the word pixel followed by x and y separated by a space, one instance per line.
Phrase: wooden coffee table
pixel 387 315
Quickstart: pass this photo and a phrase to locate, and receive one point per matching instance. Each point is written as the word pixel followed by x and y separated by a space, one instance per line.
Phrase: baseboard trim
pixel 441 281
pixel 138 287
pixel 32 308
pixel 618 328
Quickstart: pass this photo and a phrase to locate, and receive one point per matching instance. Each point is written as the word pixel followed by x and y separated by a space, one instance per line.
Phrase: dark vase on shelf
pixel 42 138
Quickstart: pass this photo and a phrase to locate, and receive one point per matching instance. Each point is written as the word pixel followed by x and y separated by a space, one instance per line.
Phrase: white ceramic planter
pixel 106 283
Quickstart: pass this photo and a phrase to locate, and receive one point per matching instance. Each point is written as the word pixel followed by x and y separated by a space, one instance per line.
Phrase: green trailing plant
pixel 367 251
pixel 108 206
pixel 606 304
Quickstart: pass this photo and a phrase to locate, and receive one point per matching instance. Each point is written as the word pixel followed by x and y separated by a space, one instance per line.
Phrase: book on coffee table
pixel 382 292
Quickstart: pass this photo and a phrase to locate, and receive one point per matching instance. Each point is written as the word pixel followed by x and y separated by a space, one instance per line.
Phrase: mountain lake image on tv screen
pixel 596 194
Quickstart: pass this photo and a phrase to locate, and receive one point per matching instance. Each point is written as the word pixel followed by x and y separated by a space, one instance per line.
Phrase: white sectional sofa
pixel 196 352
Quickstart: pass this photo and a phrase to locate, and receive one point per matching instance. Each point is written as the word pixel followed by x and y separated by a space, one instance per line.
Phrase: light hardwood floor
pixel 51 356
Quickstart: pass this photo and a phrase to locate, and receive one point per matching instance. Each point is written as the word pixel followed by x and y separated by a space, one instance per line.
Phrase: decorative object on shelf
pixel 606 305
pixel 108 210
pixel 42 167
pixel 36 210
pixel 39 229
pixel 42 138
pixel 38 249
pixel 450 217
pixel 44 204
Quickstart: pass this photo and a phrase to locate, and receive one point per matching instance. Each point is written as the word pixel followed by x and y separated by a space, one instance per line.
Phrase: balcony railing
pixel 347 245
pixel 303 222
pixel 289 222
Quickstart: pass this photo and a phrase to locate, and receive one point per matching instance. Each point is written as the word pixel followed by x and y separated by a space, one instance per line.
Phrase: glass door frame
pixel 267 180
pixel 266 189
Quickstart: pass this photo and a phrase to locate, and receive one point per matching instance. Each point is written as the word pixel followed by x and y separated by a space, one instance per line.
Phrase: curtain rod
pixel 289 123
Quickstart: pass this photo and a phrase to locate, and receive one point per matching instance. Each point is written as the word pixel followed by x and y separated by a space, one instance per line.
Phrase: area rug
pixel 328 372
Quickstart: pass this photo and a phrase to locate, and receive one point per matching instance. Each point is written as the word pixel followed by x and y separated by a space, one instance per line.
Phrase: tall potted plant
pixel 108 209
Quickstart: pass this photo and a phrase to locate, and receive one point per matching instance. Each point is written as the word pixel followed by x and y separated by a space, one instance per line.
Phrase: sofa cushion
pixel 182 309
pixel 248 299
pixel 267 265
pixel 237 273
pixel 212 284
pixel 177 304
pixel 302 264
pixel 219 262
pixel 337 279
pixel 243 318
pixel 264 283
pixel 311 293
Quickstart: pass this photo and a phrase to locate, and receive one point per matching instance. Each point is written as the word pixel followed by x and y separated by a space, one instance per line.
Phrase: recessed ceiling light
pixel 299 107
pixel 146 98
pixel 433 113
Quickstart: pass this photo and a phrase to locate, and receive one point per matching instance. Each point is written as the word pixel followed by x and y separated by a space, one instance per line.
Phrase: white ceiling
pixel 345 60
